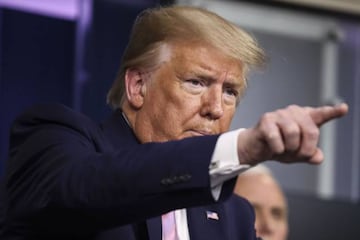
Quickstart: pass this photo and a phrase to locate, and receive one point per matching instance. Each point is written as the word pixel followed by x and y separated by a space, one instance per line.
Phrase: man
pixel 266 196
pixel 164 148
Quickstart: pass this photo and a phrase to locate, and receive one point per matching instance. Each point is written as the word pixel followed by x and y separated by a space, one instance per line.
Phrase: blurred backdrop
pixel 68 51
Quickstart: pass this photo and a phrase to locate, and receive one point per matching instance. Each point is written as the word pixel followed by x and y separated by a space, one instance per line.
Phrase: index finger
pixel 321 115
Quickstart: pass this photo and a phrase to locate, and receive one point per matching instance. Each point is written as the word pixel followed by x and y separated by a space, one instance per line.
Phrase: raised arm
pixel 287 135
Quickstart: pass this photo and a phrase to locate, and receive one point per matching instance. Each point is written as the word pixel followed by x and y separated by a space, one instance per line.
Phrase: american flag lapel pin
pixel 212 215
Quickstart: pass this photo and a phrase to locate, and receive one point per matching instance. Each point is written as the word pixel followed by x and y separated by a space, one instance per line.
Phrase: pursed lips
pixel 201 132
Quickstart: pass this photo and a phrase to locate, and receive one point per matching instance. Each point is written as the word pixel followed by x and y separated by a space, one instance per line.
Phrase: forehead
pixel 204 59
pixel 261 189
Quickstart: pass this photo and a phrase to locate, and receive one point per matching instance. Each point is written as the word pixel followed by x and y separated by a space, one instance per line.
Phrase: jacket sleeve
pixel 65 169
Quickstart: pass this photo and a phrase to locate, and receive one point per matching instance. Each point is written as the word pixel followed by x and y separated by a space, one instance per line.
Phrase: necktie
pixel 169 226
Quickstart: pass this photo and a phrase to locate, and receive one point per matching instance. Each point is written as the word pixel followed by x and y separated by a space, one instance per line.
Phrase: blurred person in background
pixel 259 186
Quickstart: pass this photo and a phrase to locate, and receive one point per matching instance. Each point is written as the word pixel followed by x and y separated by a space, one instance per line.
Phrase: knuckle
pixel 267 117
pixel 264 130
pixel 305 155
pixel 313 133
pixel 270 135
pixel 307 152
pixel 278 150
pixel 293 107
pixel 292 130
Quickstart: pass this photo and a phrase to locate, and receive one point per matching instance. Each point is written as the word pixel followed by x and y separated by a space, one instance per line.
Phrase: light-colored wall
pixel 291 77
pixel 313 59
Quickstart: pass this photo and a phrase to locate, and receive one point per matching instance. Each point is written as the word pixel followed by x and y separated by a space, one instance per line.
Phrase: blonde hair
pixel 156 27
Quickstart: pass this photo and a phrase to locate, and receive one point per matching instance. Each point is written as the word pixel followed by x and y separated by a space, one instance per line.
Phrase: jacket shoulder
pixel 53 118
pixel 52 113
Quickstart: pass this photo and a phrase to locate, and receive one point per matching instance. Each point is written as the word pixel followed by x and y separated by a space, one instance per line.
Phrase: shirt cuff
pixel 225 162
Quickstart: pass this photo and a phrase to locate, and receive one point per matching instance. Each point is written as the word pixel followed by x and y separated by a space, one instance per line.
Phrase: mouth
pixel 201 132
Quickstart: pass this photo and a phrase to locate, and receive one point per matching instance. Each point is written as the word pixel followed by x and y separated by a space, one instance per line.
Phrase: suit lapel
pixel 207 222
pixel 154 228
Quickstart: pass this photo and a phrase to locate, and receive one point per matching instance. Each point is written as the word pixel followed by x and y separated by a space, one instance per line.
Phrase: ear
pixel 135 87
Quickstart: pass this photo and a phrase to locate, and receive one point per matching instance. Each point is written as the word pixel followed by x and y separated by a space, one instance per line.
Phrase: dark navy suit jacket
pixel 69 178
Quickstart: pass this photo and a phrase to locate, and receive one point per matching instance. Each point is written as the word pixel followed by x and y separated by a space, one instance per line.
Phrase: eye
pixel 278 213
pixel 193 85
pixel 231 92
pixel 195 82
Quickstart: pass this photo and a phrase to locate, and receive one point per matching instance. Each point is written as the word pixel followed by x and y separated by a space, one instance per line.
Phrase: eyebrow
pixel 278 209
pixel 229 82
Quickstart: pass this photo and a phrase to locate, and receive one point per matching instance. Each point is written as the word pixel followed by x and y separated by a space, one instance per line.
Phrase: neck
pixel 129 115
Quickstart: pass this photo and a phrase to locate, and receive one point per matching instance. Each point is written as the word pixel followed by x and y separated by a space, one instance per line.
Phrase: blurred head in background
pixel 265 194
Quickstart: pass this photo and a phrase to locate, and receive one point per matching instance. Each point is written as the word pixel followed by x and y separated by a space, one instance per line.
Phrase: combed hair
pixel 156 27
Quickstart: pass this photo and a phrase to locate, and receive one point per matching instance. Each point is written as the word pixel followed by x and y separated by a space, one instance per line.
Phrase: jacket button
pixel 185 177
pixel 167 181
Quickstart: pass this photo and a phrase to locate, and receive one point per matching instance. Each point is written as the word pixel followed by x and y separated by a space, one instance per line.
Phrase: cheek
pixel 281 228
pixel 170 94
pixel 171 105
pixel 181 104
pixel 225 121
pixel 284 229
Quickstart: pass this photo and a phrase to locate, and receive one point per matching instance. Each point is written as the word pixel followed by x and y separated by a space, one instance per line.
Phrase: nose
pixel 264 225
pixel 264 230
pixel 212 103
